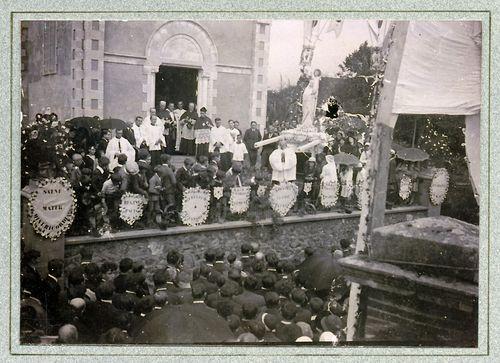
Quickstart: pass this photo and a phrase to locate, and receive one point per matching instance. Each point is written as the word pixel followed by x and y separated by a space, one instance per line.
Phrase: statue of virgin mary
pixel 310 99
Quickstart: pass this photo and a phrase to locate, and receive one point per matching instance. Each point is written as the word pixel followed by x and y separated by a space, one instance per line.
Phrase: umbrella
pixel 186 323
pixel 113 123
pixel 397 147
pixel 412 154
pixel 346 159
pixel 319 271
pixel 87 123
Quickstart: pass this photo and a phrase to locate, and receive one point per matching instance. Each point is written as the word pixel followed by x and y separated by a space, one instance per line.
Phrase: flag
pixel 334 26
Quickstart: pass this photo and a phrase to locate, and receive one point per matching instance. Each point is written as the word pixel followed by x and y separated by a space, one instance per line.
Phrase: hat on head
pixel 132 167
pixel 303 339
pixel 247 338
pixel 331 323
pixel 77 303
pixel 270 321
pixel 328 337
pixel 306 329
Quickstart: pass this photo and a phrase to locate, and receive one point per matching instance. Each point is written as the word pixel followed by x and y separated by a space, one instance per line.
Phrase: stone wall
pixel 287 240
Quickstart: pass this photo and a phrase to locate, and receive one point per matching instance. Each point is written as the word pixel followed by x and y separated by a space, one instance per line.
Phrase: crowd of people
pixel 102 165
pixel 244 297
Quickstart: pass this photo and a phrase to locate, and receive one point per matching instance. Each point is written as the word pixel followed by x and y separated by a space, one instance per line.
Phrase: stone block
pixel 441 243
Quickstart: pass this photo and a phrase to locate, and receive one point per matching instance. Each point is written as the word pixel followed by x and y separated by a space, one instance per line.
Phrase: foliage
pixel 358 63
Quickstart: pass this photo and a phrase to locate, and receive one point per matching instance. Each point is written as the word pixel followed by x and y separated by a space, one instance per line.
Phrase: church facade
pixel 121 69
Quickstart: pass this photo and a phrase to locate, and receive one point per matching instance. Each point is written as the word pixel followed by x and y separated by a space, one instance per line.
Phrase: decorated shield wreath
pixel 195 210
pixel 42 227
pixel 405 187
pixel 329 200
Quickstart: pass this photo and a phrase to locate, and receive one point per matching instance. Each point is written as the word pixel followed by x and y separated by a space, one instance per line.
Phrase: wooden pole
pixel 373 212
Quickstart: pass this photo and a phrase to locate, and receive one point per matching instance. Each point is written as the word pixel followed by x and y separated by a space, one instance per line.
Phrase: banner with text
pixel 52 207
pixel 282 197
pixel 131 207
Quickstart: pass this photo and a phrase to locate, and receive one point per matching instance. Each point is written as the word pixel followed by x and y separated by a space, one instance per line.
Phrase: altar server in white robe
pixel 155 140
pixel 116 146
pixel 329 171
pixel 284 163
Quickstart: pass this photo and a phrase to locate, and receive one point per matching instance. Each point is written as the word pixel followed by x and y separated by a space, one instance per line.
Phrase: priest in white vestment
pixel 284 163
pixel 116 146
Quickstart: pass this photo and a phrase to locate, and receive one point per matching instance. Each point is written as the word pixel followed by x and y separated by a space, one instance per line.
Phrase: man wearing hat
pixel 202 128
pixel 116 146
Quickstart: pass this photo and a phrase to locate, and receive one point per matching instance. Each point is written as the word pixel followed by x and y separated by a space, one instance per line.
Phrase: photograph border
pixel 13 215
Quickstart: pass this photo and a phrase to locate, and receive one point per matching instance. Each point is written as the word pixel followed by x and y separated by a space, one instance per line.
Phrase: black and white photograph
pixel 250 182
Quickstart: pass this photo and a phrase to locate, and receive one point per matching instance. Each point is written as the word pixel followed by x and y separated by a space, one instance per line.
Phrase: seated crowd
pixel 260 297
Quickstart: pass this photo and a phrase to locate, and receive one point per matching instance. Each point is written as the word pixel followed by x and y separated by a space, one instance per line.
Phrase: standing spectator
pixel 100 174
pixel 269 148
pixel 233 130
pixel 139 134
pixel 187 122
pixel 221 139
pixel 239 150
pixel 169 184
pixel 252 135
pixel 155 189
pixel 128 133
pixel 171 125
pixel 102 145
pixel 179 111
pixel 185 179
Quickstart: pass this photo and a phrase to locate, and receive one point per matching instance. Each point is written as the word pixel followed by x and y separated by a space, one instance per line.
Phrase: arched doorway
pixel 186 45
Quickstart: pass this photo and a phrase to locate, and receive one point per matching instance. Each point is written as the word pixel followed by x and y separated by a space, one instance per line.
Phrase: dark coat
pixel 185 179
pixel 251 297
pixel 101 316
pixel 128 134
pixel 250 138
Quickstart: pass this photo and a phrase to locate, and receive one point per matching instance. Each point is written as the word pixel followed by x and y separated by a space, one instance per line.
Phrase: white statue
pixel 310 99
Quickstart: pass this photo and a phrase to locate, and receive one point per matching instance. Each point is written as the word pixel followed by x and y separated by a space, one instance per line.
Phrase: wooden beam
pixel 372 214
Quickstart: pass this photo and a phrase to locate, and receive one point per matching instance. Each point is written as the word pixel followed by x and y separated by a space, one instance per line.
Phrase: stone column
pixel 150 72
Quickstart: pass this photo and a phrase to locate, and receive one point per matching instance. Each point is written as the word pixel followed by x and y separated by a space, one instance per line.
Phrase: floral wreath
pixel 186 216
pixel 438 198
pixel 405 187
pixel 132 219
pixel 38 224
pixel 281 208
pixel 329 200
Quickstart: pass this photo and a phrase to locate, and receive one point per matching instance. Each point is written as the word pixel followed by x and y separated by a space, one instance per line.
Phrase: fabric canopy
pixel 440 69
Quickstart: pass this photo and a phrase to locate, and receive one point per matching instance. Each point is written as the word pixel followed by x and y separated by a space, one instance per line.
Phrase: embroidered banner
pixel 329 193
pixel 195 204
pixel 52 207
pixel 131 207
pixel 282 197
pixel 239 200
pixel 439 186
